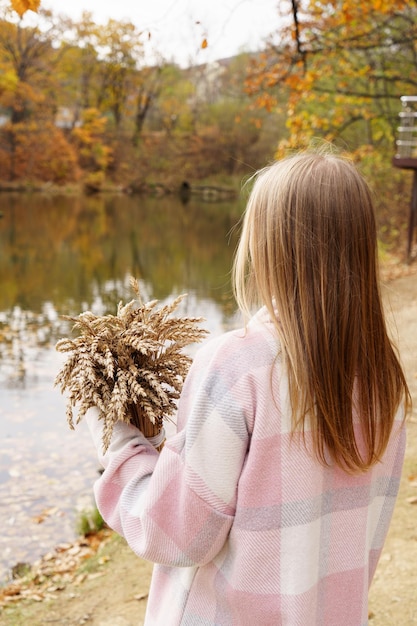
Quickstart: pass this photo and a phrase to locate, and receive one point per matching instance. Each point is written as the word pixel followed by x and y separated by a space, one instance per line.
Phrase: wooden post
pixel 406 157
pixel 410 164
pixel 413 214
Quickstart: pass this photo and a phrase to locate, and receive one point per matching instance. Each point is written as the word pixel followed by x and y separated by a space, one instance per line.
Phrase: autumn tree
pixel 106 69
pixel 28 57
pixel 148 83
pixel 78 70
pixel 121 52
pixel 169 96
pixel 342 67
pixel 126 118
pixel 94 154
pixel 40 153
pixel 97 72
pixel 243 137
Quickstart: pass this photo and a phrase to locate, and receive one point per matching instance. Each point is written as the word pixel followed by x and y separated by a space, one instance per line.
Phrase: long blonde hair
pixel 308 251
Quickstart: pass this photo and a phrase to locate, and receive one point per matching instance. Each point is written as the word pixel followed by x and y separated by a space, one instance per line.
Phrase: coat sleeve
pixel 177 507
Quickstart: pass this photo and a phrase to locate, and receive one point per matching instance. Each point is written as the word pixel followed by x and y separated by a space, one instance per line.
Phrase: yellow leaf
pixel 204 43
pixel 21 6
pixel 8 81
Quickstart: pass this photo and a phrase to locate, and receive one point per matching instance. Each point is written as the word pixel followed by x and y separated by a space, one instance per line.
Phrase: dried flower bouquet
pixel 131 366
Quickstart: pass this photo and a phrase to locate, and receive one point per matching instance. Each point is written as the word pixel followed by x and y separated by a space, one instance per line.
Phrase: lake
pixel 61 255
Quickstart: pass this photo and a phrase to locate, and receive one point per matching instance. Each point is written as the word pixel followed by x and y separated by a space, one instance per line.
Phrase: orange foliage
pixel 38 152
pixel 337 62
pixel 94 155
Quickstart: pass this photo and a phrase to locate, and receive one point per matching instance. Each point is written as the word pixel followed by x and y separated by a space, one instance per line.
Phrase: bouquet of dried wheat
pixel 131 366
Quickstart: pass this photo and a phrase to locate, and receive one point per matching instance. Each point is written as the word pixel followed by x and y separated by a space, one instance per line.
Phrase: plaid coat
pixel 244 525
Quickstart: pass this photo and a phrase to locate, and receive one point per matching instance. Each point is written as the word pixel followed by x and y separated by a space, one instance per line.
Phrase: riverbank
pixel 98 581
pixel 228 188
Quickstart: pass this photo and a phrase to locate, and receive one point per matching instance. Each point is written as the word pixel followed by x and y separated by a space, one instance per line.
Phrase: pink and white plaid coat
pixel 245 527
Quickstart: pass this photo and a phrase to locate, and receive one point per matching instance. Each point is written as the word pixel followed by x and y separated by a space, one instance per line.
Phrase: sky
pixel 178 27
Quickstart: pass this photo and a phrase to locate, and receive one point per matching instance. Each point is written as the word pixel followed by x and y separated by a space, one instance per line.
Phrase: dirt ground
pixel 110 588
pixel 393 596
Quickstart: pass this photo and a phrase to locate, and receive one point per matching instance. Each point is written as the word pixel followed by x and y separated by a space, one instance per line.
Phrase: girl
pixel 271 504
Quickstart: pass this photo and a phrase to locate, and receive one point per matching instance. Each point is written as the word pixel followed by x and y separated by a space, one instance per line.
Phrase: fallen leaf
pixel 11 590
pixel 94 575
pixel 80 578
pixel 37 598
pixel 39 519
pixel 141 596
pixel 21 6
pixel 104 559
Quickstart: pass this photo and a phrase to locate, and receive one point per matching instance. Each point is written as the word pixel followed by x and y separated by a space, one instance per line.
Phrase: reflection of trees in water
pixel 64 246
pixel 26 336
pixel 23 337
pixel 63 254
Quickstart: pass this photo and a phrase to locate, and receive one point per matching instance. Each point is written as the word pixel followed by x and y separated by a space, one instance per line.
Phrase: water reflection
pixel 62 255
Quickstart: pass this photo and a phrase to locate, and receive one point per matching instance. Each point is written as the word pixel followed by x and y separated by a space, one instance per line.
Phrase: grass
pixel 89 522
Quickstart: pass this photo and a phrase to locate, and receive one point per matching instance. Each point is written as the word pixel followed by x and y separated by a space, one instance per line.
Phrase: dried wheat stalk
pixel 130 366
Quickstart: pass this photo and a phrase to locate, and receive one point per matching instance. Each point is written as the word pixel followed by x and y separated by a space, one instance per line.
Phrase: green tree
pixel 171 101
